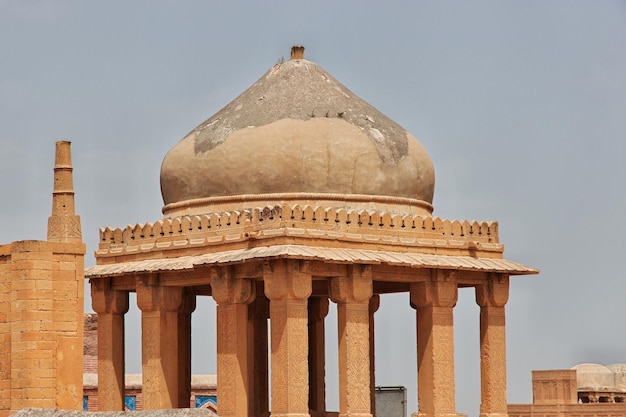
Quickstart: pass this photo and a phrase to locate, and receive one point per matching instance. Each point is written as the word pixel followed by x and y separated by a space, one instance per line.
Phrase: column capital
pixel 318 308
pixel 374 303
pixel 494 292
pixel 104 300
pixel 354 288
pixel 151 296
pixel 225 289
pixel 287 279
pixel 434 294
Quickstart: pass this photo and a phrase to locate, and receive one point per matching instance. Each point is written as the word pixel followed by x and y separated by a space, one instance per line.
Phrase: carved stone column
pixel 352 295
pixel 234 357
pixel 318 309
pixel 258 313
pixel 288 287
pixel 373 308
pixel 492 297
pixel 184 348
pixel 110 306
pixel 160 348
pixel 435 301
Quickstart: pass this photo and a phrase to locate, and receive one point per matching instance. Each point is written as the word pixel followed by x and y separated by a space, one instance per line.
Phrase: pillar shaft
pixel 288 286
pixel 184 349
pixel 492 297
pixel 110 306
pixel 373 308
pixel 318 309
pixel 163 354
pixel 234 354
pixel 258 313
pixel 435 347
pixel 352 295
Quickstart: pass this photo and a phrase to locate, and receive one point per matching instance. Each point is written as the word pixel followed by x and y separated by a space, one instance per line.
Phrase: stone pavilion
pixel 297 194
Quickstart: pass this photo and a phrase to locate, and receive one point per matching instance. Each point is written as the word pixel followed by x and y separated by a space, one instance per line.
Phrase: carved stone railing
pixel 295 220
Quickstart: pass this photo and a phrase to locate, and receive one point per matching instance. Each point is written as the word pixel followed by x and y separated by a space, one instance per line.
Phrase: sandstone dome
pixel 619 373
pixel 594 376
pixel 299 135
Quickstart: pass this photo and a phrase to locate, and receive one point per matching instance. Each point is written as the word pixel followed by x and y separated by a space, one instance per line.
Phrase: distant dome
pixel 593 376
pixel 619 373
pixel 297 132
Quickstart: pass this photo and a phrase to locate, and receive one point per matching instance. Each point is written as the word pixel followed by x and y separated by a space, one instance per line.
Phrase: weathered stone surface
pixel 297 130
pixel 178 412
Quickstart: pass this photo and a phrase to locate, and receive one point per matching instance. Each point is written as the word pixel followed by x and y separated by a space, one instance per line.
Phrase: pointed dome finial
pixel 63 224
pixel 297 52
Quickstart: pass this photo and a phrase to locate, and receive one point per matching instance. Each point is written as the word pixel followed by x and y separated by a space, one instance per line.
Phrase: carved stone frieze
pixel 64 228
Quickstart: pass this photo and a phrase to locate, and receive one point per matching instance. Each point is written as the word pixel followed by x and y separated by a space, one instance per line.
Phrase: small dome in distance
pixel 592 376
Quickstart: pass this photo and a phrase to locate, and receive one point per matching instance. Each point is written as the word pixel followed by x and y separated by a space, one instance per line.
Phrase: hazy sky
pixel 521 105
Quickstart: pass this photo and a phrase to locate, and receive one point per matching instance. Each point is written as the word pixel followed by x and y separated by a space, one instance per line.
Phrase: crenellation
pixel 135 231
pixel 195 224
pixel 397 222
pixel 438 227
pixel 330 216
pixel 374 219
pixel 185 225
pixel 117 236
pixel 176 226
pixel 146 230
pixel 296 212
pixel 169 227
pixel 353 219
pixel 211 229
pixel 157 230
pixel 106 234
pixel 320 215
pixel 215 221
pixel 427 224
pixel 341 217
pixel 363 218
pixel 308 214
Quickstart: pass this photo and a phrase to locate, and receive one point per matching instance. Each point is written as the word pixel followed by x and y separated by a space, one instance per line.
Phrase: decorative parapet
pixel 287 220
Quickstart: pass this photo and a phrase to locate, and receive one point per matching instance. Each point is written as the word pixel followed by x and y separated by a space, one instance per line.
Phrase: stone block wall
pixel 41 325
pixel 41 308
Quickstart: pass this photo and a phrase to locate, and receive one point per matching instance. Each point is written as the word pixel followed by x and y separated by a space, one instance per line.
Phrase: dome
pixel 297 134
pixel 593 376
pixel 619 373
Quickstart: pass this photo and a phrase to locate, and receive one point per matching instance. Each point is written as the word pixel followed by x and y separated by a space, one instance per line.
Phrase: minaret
pixel 63 224
pixel 41 308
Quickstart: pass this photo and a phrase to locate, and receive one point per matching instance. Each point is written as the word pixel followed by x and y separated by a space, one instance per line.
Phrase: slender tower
pixel 63 224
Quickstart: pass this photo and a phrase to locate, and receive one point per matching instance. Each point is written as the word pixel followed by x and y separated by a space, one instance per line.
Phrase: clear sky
pixel 521 105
